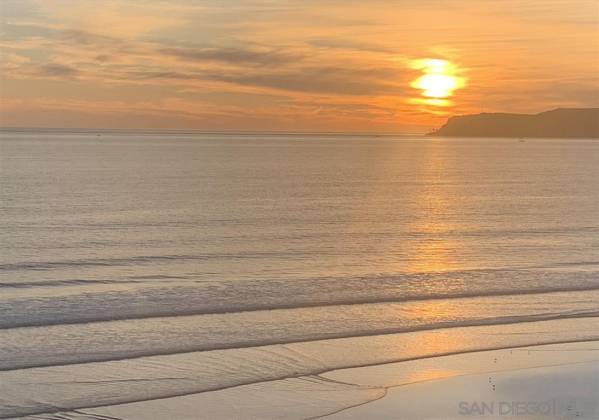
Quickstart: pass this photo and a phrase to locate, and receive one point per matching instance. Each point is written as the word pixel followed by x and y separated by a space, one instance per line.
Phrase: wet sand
pixel 550 381
pixel 542 382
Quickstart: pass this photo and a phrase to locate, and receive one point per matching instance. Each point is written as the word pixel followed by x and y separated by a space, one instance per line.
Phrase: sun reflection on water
pixel 436 250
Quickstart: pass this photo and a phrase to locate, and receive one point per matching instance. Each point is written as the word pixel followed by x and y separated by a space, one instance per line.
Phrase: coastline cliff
pixel 561 122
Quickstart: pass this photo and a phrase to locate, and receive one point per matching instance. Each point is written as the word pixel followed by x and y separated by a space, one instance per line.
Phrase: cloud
pixel 348 44
pixel 324 61
pixel 156 75
pixel 316 80
pixel 57 70
pixel 82 37
pixel 231 55
pixel 115 18
pixel 16 9
pixel 332 80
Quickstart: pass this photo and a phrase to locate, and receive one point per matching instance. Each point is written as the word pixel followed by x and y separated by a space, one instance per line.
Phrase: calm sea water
pixel 243 258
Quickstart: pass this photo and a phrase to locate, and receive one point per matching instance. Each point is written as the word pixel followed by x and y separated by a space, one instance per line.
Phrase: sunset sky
pixel 327 65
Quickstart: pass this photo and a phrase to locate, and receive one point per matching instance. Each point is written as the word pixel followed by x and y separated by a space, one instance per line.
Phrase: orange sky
pixel 302 65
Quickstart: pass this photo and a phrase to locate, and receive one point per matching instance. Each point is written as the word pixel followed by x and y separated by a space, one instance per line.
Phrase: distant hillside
pixel 561 122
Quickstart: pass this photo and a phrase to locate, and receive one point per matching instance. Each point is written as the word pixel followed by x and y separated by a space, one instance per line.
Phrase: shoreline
pixel 153 378
pixel 359 392
pixel 560 390
pixel 392 388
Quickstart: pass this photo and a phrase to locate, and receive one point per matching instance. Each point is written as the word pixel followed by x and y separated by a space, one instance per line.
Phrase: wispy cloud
pixel 325 79
pixel 57 70
pixel 282 63
pixel 237 55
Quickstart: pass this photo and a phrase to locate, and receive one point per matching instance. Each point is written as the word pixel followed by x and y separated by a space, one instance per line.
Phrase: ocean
pixel 141 265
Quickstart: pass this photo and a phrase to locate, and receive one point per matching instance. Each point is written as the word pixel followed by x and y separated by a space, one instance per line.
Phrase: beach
pixel 540 382
pixel 299 210
pixel 225 276
pixel 558 381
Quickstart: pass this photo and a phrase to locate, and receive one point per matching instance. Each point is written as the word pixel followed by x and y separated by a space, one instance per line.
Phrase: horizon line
pixel 92 130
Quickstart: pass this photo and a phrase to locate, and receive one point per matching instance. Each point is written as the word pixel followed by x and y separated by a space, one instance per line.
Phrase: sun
pixel 436 85
pixel 440 80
